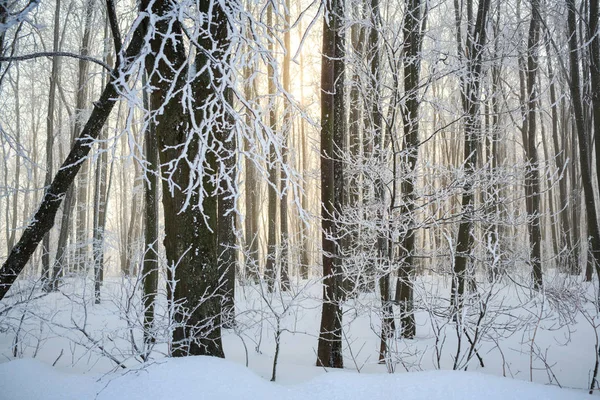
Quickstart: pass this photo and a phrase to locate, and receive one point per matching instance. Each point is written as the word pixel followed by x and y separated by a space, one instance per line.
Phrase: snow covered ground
pixel 211 378
pixel 549 341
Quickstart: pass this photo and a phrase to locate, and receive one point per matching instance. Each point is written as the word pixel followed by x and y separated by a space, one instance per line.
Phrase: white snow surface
pixel 213 378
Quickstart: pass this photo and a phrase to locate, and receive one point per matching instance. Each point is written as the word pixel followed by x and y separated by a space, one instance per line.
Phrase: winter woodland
pixel 300 186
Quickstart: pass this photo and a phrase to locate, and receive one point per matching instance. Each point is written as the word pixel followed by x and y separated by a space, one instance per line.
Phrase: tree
pixel 594 39
pixel 413 29
pixel 272 166
pixel 582 136
pixel 329 352
pixel 50 134
pixel 471 56
pixel 150 263
pixel 529 128
pixel 190 187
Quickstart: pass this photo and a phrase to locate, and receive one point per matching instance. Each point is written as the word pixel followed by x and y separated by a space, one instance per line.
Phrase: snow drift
pixel 212 378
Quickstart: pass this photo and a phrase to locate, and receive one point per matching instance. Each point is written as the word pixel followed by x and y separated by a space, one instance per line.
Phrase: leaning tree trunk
pixel 43 219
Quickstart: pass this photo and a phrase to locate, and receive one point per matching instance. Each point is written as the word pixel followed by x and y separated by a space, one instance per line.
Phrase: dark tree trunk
pixel 532 179
pixel 470 84
pixel 150 265
pixel 226 230
pixel 413 22
pixel 287 129
pixel 583 138
pixel 329 352
pixel 272 167
pixel 560 150
pixel 594 39
pixel 191 238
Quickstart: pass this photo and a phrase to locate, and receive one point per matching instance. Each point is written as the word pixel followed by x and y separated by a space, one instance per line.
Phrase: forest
pixel 371 185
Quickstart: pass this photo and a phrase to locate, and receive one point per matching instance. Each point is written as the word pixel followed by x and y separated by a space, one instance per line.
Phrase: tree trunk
pixel 150 265
pixel 272 167
pixel 50 137
pixel 410 119
pixel 470 84
pixel 329 352
pixel 226 219
pixel 532 179
pixel 100 198
pixel 594 39
pixel 584 144
pixel 286 131
pixel 83 177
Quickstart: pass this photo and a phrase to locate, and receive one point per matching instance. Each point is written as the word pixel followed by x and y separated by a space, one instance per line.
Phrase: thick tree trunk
pixel 329 351
pixel 191 213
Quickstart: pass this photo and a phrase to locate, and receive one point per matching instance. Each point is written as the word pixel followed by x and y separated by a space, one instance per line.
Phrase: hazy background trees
pixel 447 139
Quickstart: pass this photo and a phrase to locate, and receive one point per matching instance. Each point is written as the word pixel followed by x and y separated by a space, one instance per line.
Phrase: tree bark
pixel 329 351
pixel 470 85
pixel 272 167
pixel 410 119
pixel 583 138
pixel 50 137
pixel 532 179
pixel 286 131
pixel 150 264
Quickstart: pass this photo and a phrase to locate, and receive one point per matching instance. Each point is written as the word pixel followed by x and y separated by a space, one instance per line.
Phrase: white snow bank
pixel 212 378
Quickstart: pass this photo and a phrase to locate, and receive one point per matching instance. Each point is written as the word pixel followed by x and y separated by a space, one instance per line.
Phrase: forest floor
pixel 549 340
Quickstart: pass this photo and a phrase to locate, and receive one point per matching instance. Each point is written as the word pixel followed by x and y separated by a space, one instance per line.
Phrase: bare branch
pixel 55 54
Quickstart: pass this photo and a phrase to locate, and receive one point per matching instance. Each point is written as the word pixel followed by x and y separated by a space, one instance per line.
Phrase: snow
pixel 212 378
pixel 548 351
